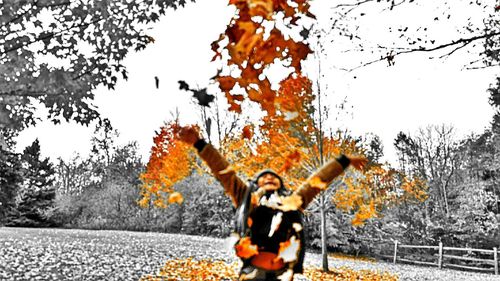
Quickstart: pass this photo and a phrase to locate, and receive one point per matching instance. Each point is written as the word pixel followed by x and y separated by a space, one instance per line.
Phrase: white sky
pixel 383 100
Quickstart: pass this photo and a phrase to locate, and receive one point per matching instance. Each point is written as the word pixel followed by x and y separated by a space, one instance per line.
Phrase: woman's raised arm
pixel 325 175
pixel 233 185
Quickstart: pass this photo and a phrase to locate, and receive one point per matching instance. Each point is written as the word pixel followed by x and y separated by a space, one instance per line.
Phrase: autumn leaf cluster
pixel 253 43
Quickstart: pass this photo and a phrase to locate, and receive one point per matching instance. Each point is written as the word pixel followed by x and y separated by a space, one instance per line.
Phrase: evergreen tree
pixel 35 199
pixel 10 181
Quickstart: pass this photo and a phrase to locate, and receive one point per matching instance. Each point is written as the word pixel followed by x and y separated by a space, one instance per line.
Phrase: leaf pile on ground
pixel 345 274
pixel 68 254
pixel 189 269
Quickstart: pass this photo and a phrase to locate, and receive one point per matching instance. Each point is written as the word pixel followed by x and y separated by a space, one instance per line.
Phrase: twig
pixel 352 5
pixel 464 41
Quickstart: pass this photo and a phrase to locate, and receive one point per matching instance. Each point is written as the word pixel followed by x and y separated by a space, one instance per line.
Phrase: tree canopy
pixel 56 52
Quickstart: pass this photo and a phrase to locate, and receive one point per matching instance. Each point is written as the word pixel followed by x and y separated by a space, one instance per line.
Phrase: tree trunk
pixel 446 207
pixel 3 144
pixel 324 252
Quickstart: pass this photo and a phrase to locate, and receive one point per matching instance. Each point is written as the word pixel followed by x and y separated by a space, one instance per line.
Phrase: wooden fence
pixel 441 256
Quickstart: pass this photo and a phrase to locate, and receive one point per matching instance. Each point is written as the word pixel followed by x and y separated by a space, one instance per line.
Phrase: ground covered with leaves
pixel 64 254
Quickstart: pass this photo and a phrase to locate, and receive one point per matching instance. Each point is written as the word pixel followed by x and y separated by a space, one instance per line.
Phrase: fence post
pixel 395 251
pixel 495 258
pixel 440 257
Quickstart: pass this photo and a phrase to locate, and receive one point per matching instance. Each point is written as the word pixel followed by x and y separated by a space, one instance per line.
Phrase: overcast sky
pixel 383 100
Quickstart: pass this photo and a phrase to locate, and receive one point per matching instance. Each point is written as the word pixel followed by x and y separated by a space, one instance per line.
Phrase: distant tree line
pixel 101 192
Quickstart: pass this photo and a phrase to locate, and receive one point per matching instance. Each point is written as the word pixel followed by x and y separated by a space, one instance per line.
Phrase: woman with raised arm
pixel 269 216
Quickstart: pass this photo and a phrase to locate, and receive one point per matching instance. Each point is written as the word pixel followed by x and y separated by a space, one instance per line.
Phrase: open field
pixel 68 254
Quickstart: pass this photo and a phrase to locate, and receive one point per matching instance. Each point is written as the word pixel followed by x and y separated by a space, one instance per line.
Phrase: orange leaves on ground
pixel 169 162
pixel 207 269
pixel 345 274
pixel 351 257
pixel 245 249
pixel 194 270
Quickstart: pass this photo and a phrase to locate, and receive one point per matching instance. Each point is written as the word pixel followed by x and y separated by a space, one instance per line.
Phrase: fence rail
pixel 441 256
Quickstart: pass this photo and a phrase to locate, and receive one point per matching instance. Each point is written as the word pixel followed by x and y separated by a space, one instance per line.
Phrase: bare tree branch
pixel 352 4
pixel 461 42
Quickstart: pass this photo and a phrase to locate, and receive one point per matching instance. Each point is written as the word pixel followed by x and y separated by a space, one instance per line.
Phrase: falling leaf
pixel 247 132
pixel 297 226
pixel 249 222
pixel 291 115
pixel 291 203
pixel 231 241
pixel 289 250
pixel 226 83
pixel 255 198
pixel 175 197
pixel 263 8
pixel 157 82
pixel 227 170
pixel 275 223
pixel 245 249
pixel 286 276
pixel 183 85
pixel 316 182
pixel 204 99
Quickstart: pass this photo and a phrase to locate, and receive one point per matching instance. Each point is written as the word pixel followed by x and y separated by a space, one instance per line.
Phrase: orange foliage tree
pixel 170 161
pixel 289 143
pixel 289 139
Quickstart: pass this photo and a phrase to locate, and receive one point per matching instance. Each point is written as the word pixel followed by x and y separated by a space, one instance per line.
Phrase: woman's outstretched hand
pixel 189 135
pixel 358 162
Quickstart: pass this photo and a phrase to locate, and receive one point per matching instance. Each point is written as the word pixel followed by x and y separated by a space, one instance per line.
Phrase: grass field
pixel 68 254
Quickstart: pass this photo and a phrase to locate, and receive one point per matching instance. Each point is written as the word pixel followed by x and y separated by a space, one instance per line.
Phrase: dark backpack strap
pixel 299 266
pixel 241 216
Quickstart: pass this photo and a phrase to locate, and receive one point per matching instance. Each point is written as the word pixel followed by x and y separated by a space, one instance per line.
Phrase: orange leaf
pixel 289 250
pixel 263 8
pixel 226 83
pixel 227 170
pixel 245 249
pixel 175 197
pixel 318 183
pixel 247 132
pixel 291 203
pixel 249 222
